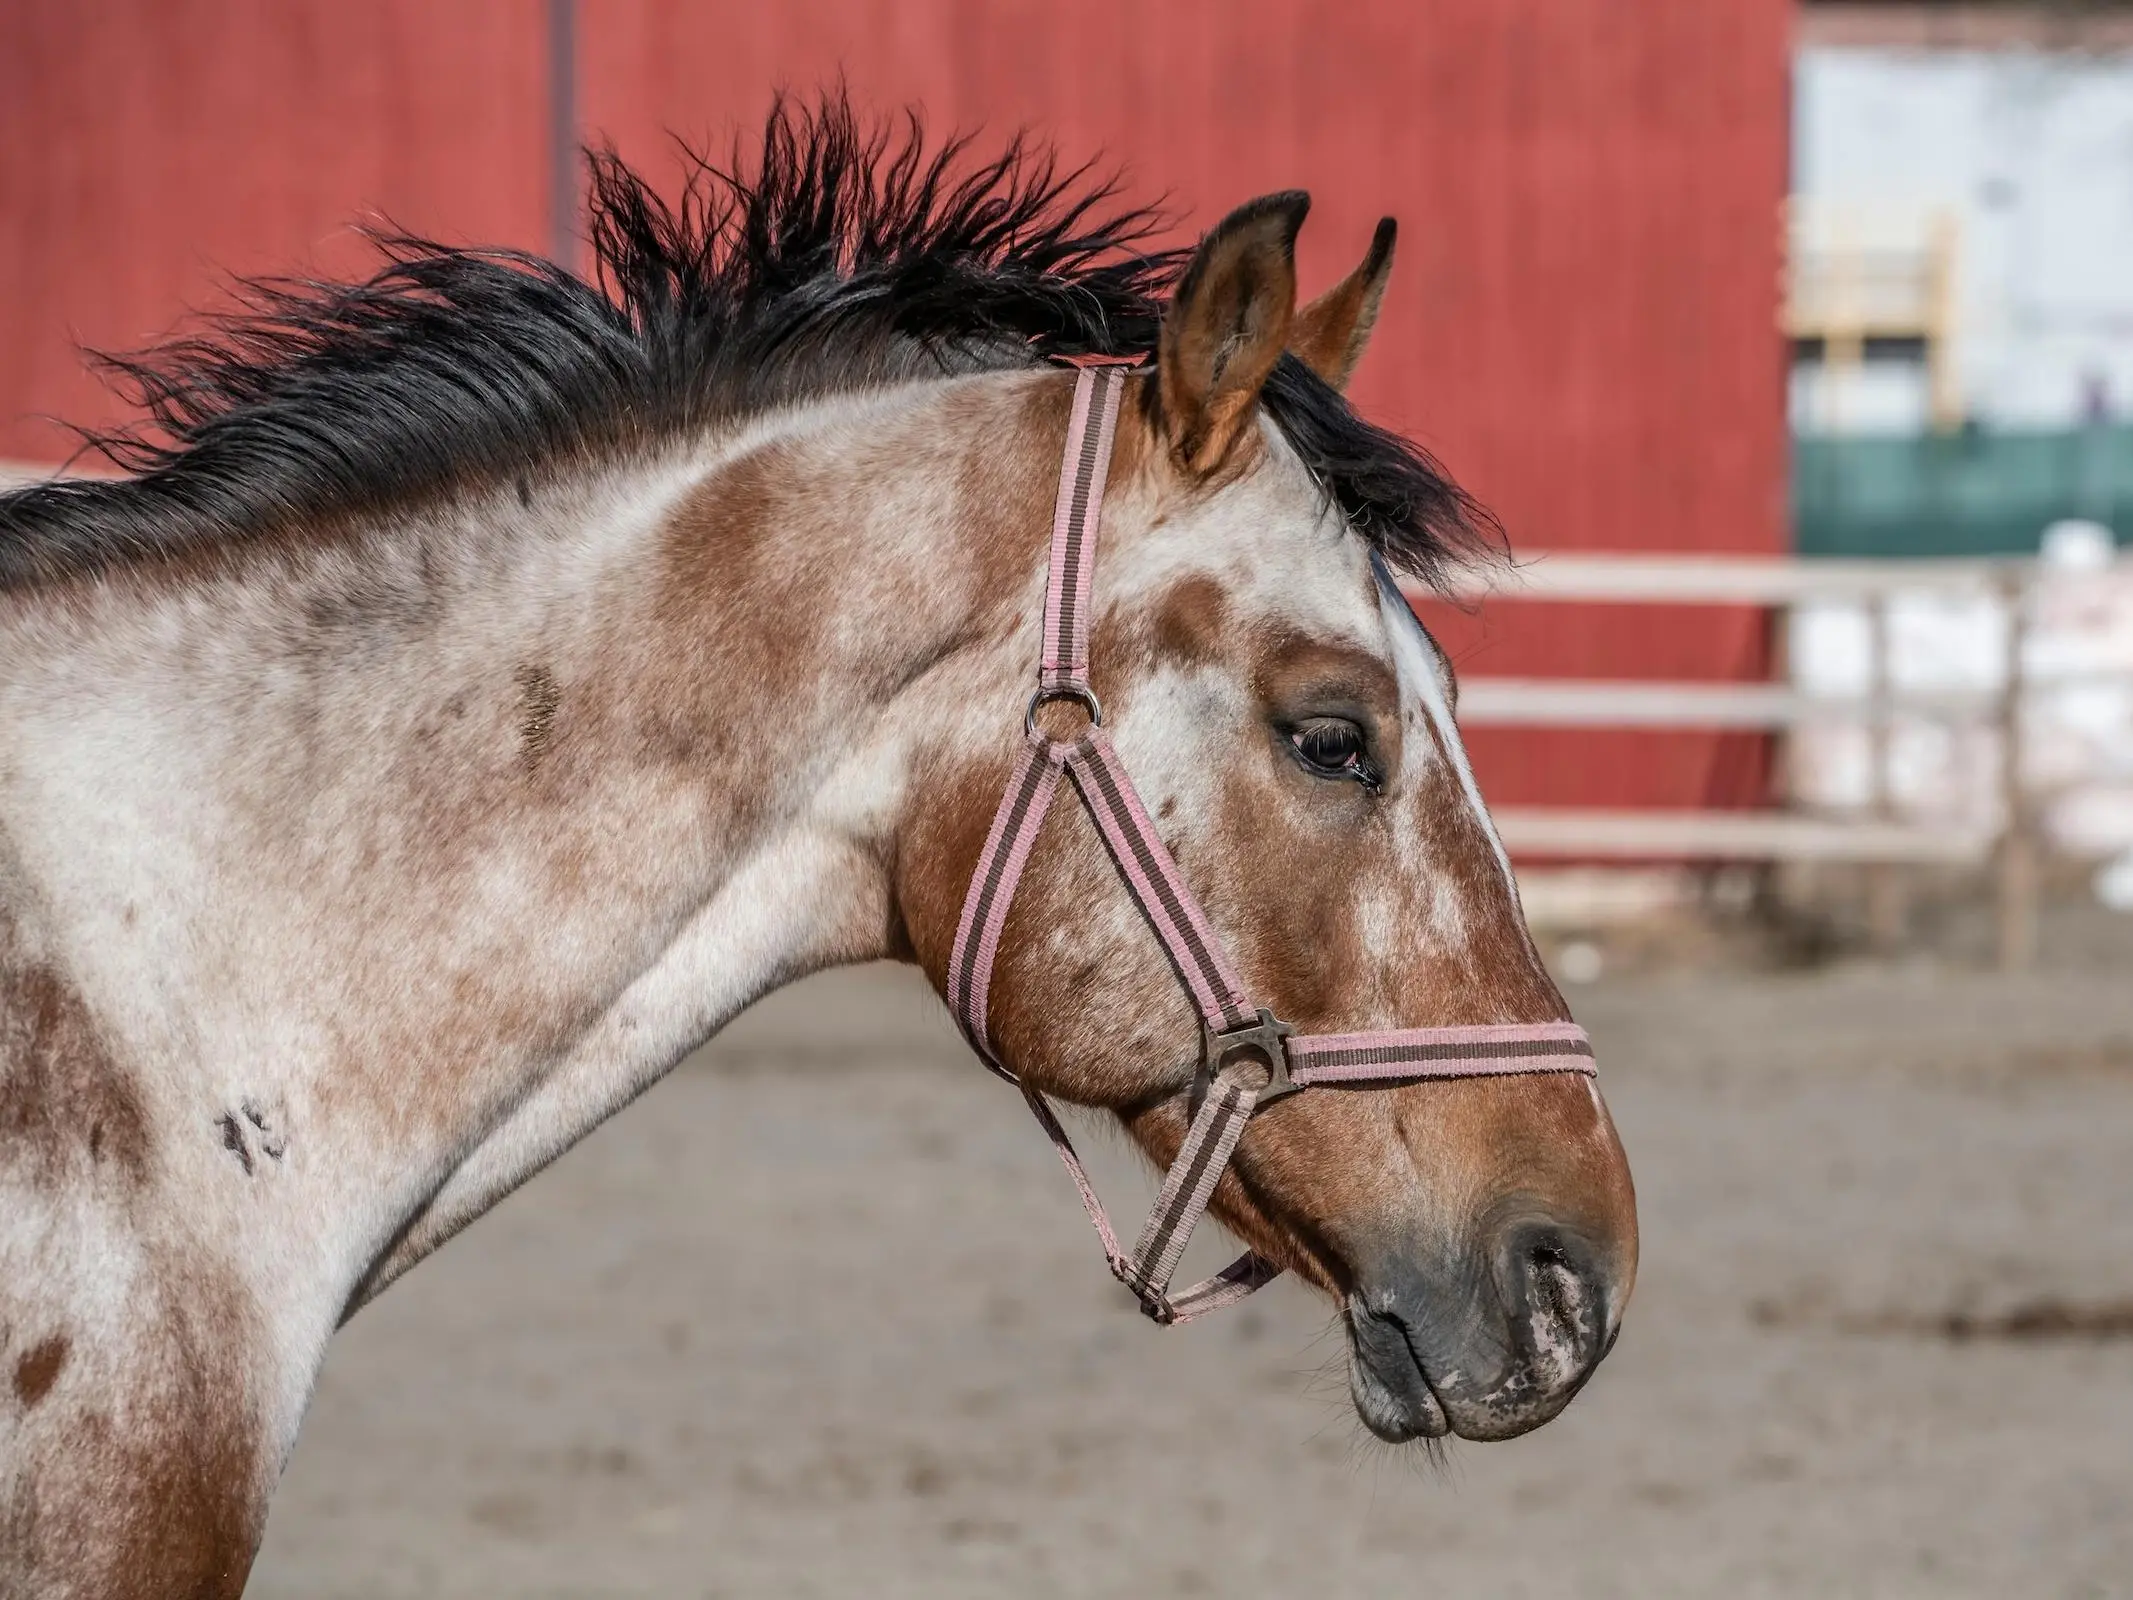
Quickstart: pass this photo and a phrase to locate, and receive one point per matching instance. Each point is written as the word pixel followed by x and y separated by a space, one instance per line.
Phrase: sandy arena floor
pixel 820 1316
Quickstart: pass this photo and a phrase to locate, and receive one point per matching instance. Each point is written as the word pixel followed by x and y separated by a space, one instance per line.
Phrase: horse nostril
pixel 1558 1291
pixel 1550 1274
pixel 1563 1301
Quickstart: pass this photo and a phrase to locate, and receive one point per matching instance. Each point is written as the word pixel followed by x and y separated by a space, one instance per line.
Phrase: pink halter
pixel 1248 1059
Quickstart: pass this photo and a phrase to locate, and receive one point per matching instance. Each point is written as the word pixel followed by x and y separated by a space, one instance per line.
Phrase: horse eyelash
pixel 1363 769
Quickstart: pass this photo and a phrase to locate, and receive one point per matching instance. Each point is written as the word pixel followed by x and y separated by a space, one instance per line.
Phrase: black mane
pixel 849 258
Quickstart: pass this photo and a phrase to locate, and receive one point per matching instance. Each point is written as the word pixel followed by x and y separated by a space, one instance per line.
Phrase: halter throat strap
pixel 1248 1058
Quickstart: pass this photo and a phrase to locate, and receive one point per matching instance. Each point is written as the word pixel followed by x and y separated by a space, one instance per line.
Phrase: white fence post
pixel 2018 866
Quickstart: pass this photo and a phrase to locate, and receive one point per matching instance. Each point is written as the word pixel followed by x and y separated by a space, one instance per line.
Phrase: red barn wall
pixel 1582 324
pixel 149 149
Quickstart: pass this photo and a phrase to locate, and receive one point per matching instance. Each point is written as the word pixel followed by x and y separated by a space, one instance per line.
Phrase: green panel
pixel 1969 493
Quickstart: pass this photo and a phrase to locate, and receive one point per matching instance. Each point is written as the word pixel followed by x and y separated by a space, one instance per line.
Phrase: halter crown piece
pixel 1248 1058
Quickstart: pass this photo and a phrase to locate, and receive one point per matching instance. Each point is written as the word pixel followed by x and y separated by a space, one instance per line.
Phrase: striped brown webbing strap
pixel 1247 1059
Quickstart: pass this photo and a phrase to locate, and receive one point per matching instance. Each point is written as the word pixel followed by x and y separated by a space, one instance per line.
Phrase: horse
pixel 482 682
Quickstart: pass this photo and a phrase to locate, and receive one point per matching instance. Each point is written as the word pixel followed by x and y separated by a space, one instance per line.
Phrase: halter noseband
pixel 1248 1058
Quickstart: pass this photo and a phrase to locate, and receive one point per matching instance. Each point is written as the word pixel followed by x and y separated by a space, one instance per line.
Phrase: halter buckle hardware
pixel 1264 1041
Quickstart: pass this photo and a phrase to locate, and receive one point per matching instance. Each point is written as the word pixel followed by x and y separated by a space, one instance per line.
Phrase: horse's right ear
pixel 1227 326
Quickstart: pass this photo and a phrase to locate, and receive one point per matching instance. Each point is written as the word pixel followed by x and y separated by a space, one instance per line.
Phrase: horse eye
pixel 1334 747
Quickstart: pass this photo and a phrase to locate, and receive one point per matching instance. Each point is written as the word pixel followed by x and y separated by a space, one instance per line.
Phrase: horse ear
pixel 1227 326
pixel 1332 331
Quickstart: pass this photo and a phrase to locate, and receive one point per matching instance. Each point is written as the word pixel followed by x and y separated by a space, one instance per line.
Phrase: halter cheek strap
pixel 1248 1057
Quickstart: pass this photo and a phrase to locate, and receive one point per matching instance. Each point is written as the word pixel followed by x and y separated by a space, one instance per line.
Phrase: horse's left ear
pixel 1332 331
pixel 1227 326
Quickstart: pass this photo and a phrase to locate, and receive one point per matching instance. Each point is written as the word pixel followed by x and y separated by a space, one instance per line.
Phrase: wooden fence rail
pixel 1875 836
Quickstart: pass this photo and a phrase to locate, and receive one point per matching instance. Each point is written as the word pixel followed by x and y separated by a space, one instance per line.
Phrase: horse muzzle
pixel 1488 1344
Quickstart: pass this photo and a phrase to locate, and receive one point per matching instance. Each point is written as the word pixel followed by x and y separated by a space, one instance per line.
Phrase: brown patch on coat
pixel 715 534
pixel 38 1369
pixel 1287 669
pixel 1007 480
pixel 157 1490
pixel 1006 477
pixel 65 1102
pixel 197 1512
pixel 1101 1020
pixel 1191 617
pixel 730 640
pixel 1296 829
pixel 937 849
pixel 1285 844
pixel 538 698
pixel 1504 974
pixel 170 1499
pixel 757 559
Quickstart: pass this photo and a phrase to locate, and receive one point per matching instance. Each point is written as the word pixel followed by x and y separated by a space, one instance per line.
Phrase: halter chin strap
pixel 1248 1058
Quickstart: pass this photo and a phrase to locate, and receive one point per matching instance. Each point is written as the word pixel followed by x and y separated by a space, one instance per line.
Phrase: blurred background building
pixel 1961 322
pixel 1959 307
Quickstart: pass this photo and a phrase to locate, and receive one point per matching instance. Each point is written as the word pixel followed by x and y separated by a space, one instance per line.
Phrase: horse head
pixel 1289 725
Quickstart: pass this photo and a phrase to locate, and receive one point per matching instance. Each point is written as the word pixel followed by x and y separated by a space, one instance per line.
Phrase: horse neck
pixel 543 788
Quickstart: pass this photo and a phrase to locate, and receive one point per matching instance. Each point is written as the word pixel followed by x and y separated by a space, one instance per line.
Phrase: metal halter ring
pixel 1065 691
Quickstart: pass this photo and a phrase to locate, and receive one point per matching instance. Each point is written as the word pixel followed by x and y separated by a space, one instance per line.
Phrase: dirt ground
pixel 820 1316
